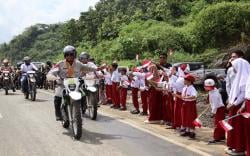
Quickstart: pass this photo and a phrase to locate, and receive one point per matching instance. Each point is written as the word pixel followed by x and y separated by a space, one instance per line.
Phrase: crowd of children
pixel 168 96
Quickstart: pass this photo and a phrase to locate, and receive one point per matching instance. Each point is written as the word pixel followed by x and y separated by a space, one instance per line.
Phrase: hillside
pixel 198 30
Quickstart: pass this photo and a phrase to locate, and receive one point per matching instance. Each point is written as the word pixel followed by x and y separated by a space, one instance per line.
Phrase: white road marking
pixel 195 150
pixel 1 116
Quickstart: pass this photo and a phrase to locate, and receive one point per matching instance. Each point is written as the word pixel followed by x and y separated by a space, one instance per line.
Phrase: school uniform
pixel 177 88
pixel 170 99
pixel 108 86
pixel 188 110
pixel 115 78
pixel 247 121
pixel 218 109
pixel 155 105
pixel 123 90
pixel 236 137
pixel 135 84
pixel 143 88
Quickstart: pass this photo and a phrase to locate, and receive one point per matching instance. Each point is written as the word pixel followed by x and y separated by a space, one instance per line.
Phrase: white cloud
pixel 16 15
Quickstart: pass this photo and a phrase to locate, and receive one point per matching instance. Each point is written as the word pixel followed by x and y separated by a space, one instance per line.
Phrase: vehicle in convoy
pixel 31 88
pixel 7 81
pixel 199 70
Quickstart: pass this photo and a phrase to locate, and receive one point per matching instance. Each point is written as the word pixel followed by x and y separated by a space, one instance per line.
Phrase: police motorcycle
pixel 71 106
pixel 31 85
pixel 90 101
pixel 7 81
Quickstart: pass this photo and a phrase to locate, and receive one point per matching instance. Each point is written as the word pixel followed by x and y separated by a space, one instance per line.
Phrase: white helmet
pixel 209 83
pixel 69 49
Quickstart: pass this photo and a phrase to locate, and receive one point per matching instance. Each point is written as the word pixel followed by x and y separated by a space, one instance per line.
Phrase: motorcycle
pixel 71 107
pixel 31 85
pixel 90 102
pixel 7 81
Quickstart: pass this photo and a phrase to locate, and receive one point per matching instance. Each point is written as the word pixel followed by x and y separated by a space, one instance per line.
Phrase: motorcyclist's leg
pixel 58 102
pixel 24 84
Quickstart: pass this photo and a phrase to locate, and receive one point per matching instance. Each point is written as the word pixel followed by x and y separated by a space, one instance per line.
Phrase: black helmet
pixel 69 50
pixel 84 55
pixel 26 58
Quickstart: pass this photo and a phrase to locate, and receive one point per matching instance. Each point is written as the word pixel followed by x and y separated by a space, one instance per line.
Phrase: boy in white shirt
pixel 218 110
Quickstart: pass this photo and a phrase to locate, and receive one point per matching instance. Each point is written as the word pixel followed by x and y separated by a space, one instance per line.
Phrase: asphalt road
pixel 29 128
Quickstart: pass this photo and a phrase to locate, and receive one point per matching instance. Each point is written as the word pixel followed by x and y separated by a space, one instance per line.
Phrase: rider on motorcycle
pixel 5 67
pixel 70 67
pixel 25 67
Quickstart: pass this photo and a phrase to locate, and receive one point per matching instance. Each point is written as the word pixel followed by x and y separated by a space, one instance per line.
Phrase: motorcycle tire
pixel 93 104
pixel 77 120
pixel 65 119
pixel 6 92
pixel 33 93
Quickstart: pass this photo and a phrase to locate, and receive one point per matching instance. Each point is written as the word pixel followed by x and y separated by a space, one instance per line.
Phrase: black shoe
pixel 123 109
pixel 192 135
pixel 184 134
pixel 143 113
pixel 112 106
pixel 58 118
pixel 135 112
pixel 117 107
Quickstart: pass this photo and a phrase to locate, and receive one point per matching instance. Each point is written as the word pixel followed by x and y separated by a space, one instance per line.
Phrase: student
pixel 189 111
pixel 218 110
pixel 235 137
pixel 123 89
pixel 135 84
pixel 246 108
pixel 108 85
pixel 170 100
pixel 155 97
pixel 115 78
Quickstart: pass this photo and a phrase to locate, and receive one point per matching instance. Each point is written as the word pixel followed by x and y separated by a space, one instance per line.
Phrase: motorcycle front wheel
pixel 33 92
pixel 92 106
pixel 77 120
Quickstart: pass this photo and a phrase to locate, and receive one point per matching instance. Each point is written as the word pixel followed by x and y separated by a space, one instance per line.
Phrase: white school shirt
pixel 142 78
pixel 135 83
pixel 172 81
pixel 25 68
pixel 115 76
pixel 229 79
pixel 247 93
pixel 189 91
pixel 215 100
pixel 107 78
pixel 123 83
pixel 178 85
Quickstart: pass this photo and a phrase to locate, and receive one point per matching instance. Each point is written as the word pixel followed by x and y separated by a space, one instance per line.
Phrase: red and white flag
pixel 127 83
pixel 197 123
pixel 225 125
pixel 137 57
pixel 246 115
pixel 149 76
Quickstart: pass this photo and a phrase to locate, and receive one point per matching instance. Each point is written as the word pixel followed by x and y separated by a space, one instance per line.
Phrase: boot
pixel 57 104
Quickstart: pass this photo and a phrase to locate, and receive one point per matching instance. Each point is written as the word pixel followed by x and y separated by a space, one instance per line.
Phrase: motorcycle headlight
pixel 5 74
pixel 72 87
pixel 31 75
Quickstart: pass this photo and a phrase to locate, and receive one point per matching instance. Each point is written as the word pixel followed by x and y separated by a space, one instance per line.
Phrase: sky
pixel 16 15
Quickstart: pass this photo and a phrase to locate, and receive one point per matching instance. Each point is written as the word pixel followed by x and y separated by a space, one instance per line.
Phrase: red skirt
pixel 219 132
pixel 115 94
pixel 236 137
pixel 189 114
pixel 123 98
pixel 155 105
pixel 247 128
pixel 109 93
pixel 135 98
pixel 177 112
pixel 144 100
pixel 165 110
pixel 170 107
